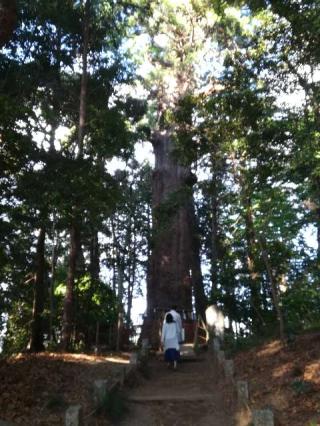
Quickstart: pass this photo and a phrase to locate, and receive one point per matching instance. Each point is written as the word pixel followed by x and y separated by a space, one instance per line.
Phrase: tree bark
pixel 318 234
pixel 75 245
pixel 68 320
pixel 254 279
pixel 120 298
pixel 36 341
pixel 54 257
pixel 8 20
pixel 201 301
pixel 84 79
pixel 274 290
pixel 171 259
pixel 214 236
pixel 94 256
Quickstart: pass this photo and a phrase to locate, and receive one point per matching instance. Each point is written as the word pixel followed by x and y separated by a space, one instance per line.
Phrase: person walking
pixel 170 341
pixel 177 318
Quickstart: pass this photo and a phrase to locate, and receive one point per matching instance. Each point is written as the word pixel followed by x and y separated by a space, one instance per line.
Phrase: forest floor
pixel 36 389
pixel 285 379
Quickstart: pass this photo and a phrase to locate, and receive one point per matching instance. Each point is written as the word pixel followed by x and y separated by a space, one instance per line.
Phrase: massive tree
pixel 175 33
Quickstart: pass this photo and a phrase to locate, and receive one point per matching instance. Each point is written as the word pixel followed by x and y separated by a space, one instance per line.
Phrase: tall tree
pixel 176 32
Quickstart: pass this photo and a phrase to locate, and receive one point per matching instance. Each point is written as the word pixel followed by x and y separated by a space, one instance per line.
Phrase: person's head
pixel 174 307
pixel 169 318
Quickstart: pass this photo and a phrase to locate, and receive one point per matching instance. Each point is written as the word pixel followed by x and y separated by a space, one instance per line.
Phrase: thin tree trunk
pixel 75 245
pixel 201 301
pixel 84 79
pixel 94 256
pixel 274 290
pixel 214 237
pixel 132 277
pixel 120 298
pixel 68 320
pixel 54 257
pixel 254 276
pixel 254 279
pixel 318 234
pixel 36 342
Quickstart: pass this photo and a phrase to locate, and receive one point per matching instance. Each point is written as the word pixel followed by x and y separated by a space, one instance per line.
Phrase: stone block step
pixel 171 398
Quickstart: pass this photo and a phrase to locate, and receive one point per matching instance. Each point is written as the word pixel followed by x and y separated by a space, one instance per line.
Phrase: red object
pixel 189 330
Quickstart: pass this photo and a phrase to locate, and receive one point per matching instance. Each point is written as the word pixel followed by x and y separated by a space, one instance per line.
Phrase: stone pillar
pixel 134 358
pixel 144 347
pixel 220 356
pixel 100 391
pixel 229 369
pixel 243 391
pixel 262 418
pixel 73 416
pixel 216 344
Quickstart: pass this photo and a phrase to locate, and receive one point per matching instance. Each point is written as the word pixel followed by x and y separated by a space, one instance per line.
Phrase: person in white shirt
pixel 177 318
pixel 170 340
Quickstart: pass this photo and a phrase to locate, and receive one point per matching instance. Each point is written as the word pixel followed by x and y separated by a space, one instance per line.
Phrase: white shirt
pixel 169 336
pixel 177 318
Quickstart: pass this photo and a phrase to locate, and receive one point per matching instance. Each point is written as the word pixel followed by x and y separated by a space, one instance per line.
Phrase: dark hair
pixel 169 318
pixel 174 307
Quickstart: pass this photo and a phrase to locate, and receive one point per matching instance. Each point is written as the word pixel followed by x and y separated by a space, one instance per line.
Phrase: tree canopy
pixel 233 87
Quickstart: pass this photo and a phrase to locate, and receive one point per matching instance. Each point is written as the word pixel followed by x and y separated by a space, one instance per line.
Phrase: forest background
pixel 76 240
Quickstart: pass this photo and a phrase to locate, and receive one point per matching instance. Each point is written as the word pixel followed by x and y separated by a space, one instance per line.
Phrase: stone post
pixel 220 356
pixel 243 391
pixel 216 344
pixel 262 418
pixel 73 416
pixel 134 358
pixel 100 391
pixel 229 369
pixel 144 347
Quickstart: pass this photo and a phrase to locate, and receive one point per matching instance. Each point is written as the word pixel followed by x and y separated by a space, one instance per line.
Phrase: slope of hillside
pixel 285 379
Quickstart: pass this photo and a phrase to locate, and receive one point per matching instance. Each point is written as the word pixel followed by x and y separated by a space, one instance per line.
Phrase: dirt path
pixel 191 396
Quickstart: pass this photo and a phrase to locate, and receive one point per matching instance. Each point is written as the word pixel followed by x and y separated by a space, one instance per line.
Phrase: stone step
pixel 171 398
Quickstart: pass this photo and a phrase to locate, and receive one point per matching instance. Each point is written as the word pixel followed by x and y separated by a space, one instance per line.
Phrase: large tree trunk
pixel 169 281
pixel 36 340
pixel 171 255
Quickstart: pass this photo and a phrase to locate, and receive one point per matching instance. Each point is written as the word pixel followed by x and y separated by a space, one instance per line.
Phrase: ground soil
pixel 285 379
pixel 36 389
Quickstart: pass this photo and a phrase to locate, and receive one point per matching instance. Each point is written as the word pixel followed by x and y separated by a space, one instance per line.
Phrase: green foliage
pixel 301 387
pixel 55 401
pixel 18 332
pixel 301 304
